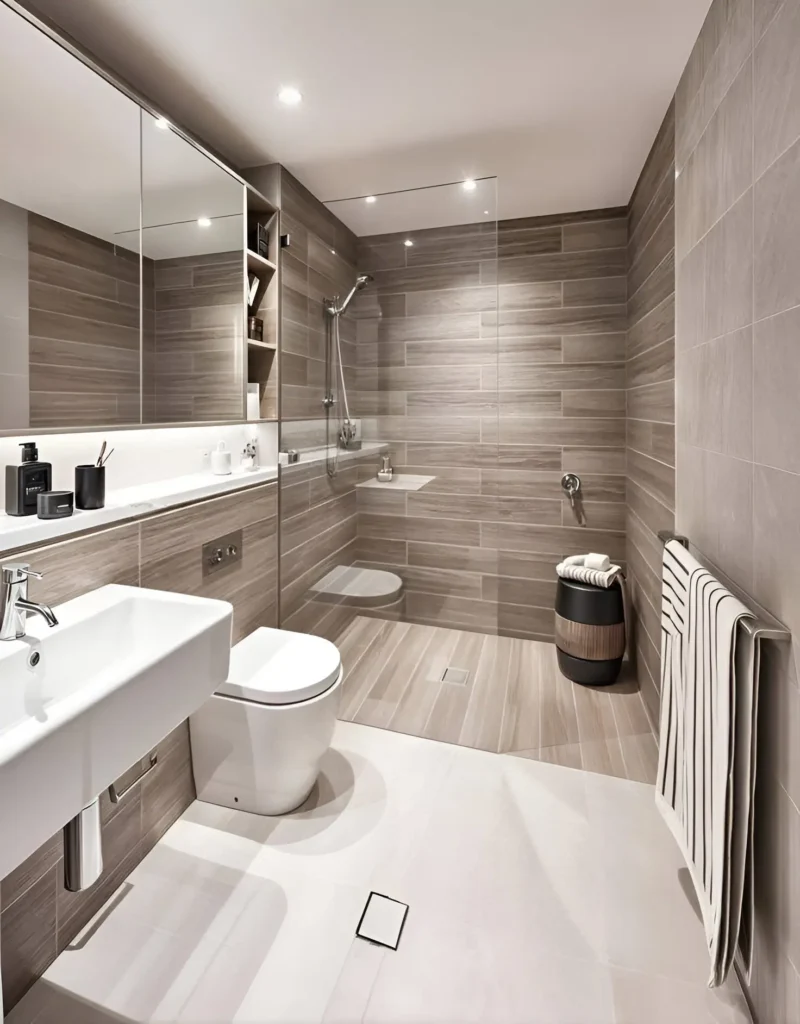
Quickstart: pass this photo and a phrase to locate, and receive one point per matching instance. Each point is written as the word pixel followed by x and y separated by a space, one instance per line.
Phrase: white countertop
pixel 128 503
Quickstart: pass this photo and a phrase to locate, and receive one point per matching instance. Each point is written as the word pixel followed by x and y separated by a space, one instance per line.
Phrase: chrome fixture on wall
pixel 571 485
pixel 334 376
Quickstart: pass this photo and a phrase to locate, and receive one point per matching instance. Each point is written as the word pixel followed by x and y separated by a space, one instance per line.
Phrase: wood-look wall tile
pixel 527 241
pixel 598 234
pixel 560 377
pixel 653 402
pixel 658 287
pixel 57 241
pixel 596 291
pixel 516 590
pixel 31 870
pixel 540 349
pixel 572 320
pixel 588 402
pixel 544 430
pixel 52 299
pixel 453 403
pixel 484 508
pixel 529 295
pixel 426 278
pixel 654 439
pixel 168 790
pixel 435 531
pixel 653 476
pixel 555 540
pixel 453 245
pixel 28 937
pixel 431 328
pixel 461 352
pixel 45 270
pixel 452 557
pixel 566 266
pixel 461 612
pixel 75 567
pixel 451 300
pixel 653 366
pixel 52 356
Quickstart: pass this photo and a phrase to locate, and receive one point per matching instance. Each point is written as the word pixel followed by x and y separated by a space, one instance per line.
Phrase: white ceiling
pixel 560 99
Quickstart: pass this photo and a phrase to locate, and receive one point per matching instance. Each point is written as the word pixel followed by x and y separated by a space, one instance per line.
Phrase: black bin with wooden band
pixel 590 632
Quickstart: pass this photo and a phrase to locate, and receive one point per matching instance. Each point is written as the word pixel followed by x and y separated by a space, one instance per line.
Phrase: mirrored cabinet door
pixel 69 239
pixel 193 341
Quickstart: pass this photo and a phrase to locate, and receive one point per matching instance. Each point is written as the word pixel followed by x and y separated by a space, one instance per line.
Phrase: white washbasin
pixel 120 671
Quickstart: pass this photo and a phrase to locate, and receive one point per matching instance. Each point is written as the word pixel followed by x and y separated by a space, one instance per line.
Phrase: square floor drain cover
pixel 382 921
pixel 459 676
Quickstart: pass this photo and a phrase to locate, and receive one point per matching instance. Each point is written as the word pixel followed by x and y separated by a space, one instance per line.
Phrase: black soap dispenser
pixel 23 483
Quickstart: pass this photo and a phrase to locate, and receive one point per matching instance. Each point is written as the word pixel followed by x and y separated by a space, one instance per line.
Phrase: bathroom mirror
pixel 193 345
pixel 69 190
pixel 121 254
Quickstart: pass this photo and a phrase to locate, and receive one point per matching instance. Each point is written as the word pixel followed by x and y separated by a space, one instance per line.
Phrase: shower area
pixel 484 360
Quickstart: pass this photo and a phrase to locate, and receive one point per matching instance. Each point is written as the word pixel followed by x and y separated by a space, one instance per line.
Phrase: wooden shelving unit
pixel 263 360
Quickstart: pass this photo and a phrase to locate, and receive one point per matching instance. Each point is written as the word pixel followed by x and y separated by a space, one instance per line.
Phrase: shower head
pixel 361 282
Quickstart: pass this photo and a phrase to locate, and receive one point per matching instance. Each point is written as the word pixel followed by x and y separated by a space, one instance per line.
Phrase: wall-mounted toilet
pixel 258 741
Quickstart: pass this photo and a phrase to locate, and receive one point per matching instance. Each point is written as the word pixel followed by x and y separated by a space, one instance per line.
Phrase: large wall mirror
pixel 121 254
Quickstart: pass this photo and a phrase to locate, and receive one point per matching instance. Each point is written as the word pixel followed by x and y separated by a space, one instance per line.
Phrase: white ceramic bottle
pixel 221 460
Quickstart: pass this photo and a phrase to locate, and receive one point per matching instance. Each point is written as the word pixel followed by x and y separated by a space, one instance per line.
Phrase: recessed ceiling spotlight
pixel 162 123
pixel 408 243
pixel 370 199
pixel 486 212
pixel 333 252
pixel 469 185
pixel 290 96
pixel 204 222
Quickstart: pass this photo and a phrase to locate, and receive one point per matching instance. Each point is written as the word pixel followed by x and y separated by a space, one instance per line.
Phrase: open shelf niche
pixel 262 356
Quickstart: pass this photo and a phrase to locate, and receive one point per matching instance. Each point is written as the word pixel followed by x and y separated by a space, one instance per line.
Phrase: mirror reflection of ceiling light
pixel 204 222
pixel 469 185
pixel 408 243
pixel 290 96
pixel 370 199
pixel 162 123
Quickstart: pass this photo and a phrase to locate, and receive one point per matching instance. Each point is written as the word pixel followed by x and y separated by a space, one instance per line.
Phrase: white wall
pixel 140 456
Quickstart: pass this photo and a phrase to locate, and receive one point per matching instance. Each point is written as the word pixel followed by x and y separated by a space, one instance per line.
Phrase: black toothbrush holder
pixel 90 487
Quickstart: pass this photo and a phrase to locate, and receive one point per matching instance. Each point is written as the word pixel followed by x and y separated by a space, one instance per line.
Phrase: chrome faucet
pixel 14 603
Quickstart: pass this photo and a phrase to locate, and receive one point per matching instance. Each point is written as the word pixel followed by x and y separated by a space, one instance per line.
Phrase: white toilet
pixel 258 742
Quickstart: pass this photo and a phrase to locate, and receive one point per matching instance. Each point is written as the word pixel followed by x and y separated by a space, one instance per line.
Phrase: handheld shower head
pixel 361 282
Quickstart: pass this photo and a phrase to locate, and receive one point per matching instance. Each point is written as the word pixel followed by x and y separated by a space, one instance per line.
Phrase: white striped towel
pixel 706 767
pixel 573 569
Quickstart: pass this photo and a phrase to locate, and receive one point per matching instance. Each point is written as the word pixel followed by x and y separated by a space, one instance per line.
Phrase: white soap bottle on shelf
pixel 221 460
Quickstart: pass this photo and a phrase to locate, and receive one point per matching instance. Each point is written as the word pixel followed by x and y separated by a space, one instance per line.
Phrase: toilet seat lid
pixel 274 666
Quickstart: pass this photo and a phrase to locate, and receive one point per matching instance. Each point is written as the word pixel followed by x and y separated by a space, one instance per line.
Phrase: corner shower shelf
pixel 262 344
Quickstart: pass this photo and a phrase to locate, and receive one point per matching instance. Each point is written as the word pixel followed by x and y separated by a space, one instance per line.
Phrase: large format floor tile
pixel 537 895
pixel 515 699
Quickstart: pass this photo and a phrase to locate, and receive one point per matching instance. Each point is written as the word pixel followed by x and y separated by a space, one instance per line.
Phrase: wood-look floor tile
pixel 484 719
pixel 520 729
pixel 392 680
pixel 568 755
pixel 450 708
pixel 358 682
pixel 559 720
pixel 603 757
pixel 640 754
pixel 415 705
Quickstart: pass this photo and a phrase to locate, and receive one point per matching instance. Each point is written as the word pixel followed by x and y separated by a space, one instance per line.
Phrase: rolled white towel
pixel 595 561
pixel 583 574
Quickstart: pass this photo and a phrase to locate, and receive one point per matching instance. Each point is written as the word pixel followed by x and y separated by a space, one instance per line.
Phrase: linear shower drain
pixel 459 676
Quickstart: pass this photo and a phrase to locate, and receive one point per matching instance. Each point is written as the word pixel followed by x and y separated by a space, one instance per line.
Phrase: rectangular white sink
pixel 82 702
